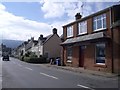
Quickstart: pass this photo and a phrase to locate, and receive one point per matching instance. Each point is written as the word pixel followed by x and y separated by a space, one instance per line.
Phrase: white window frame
pixel 96 54
pixel 69 31
pixel 82 27
pixel 95 22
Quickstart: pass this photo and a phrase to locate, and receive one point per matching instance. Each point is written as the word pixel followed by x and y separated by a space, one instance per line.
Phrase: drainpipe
pixel 111 28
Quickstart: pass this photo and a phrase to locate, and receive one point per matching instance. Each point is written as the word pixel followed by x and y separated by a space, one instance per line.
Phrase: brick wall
pixel 75 61
pixel 116 50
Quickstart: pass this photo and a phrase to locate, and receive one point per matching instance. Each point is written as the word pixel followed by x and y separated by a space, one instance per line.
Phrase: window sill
pixel 82 34
pixel 69 61
pixel 100 65
pixel 99 30
pixel 69 37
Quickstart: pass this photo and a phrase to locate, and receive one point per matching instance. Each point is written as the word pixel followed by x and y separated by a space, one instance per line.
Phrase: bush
pixel 21 58
pixel 33 55
pixel 35 59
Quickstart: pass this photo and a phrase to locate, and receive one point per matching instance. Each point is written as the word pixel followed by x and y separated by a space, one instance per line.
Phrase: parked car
pixel 5 58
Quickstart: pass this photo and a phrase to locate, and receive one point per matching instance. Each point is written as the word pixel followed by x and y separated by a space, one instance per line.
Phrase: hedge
pixel 35 59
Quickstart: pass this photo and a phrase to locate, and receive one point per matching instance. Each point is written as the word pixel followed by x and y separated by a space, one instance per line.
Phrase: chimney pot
pixel 54 31
pixel 78 16
pixel 41 37
pixel 32 38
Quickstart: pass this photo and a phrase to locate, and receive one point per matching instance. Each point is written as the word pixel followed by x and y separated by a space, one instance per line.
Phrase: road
pixel 18 74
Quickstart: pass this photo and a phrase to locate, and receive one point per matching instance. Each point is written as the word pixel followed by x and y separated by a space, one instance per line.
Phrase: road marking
pixel 48 75
pixel 28 68
pixel 85 87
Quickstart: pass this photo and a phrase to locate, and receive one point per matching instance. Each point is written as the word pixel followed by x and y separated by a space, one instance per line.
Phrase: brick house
pixel 93 42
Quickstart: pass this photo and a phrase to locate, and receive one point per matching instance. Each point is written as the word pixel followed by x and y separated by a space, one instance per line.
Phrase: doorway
pixel 81 56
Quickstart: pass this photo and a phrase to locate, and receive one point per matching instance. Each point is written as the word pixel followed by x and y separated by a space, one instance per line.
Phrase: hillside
pixel 12 43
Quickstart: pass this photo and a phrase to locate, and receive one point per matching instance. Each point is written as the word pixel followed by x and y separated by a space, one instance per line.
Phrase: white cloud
pixel 59 8
pixel 19 28
pixel 56 9
pixel 51 10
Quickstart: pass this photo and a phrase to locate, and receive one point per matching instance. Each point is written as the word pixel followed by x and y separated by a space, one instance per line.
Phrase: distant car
pixel 5 57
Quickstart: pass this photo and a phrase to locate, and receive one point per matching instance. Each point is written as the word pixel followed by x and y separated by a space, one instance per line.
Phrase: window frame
pixel 69 58
pixel 100 18
pixel 70 29
pixel 82 25
pixel 96 53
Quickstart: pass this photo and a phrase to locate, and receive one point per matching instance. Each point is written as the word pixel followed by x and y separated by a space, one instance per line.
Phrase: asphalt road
pixel 18 74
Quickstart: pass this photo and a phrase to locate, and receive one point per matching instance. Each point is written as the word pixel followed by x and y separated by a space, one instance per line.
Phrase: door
pixel 81 56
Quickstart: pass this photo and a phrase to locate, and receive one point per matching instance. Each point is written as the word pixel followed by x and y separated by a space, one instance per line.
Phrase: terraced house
pixel 48 46
pixel 93 42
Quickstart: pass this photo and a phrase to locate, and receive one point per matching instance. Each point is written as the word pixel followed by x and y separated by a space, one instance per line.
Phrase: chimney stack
pixel 78 16
pixel 41 37
pixel 28 40
pixel 54 31
pixel 32 38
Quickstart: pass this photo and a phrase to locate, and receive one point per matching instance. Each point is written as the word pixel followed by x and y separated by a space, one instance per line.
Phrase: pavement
pixel 82 70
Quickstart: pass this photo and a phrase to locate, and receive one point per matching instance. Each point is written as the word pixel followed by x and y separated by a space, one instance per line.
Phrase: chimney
pixel 41 37
pixel 28 40
pixel 78 16
pixel 54 31
pixel 32 38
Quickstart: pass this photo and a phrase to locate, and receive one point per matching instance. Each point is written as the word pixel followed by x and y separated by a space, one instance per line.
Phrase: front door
pixel 81 56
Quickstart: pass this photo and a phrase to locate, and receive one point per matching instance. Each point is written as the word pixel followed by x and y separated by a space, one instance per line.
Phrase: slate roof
pixel 48 37
pixel 29 45
pixel 85 38
pixel 45 39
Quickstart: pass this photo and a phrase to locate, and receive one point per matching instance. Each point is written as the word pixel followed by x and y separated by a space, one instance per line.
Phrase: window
pixel 100 53
pixel 99 22
pixel 82 27
pixel 69 54
pixel 70 31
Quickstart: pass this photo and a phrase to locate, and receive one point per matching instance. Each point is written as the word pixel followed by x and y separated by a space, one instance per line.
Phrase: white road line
pixel 85 87
pixel 48 75
pixel 28 68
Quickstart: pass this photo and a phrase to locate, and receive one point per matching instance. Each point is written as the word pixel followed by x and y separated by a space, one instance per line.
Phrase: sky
pixel 20 20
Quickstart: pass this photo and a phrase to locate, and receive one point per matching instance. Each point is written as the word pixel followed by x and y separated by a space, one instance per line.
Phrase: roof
pixel 48 37
pixel 35 42
pixel 29 45
pixel 94 14
pixel 84 38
